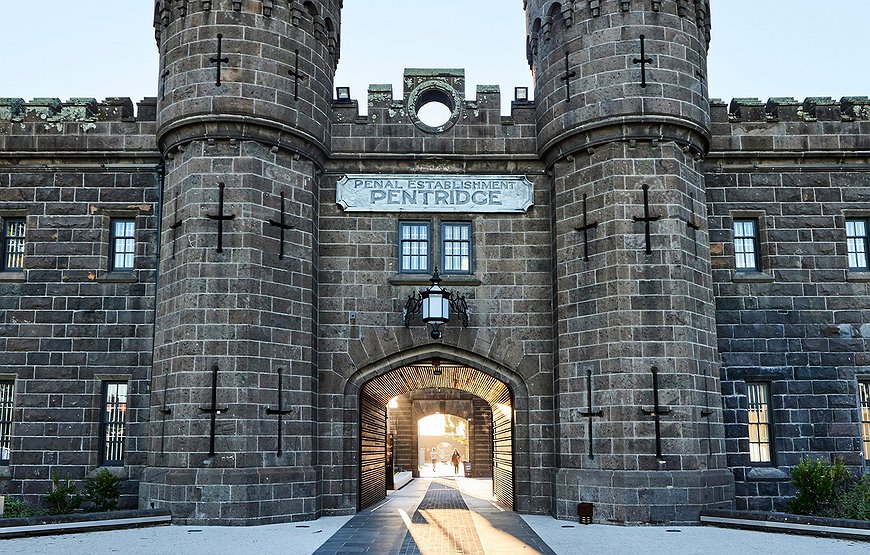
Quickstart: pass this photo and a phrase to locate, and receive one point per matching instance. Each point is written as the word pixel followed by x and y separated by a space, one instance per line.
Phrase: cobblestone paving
pixel 432 517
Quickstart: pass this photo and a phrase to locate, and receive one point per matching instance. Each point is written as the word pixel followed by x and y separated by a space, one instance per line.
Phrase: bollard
pixel 584 511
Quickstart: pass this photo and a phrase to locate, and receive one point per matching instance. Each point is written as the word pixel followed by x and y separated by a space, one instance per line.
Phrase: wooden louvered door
pixel 373 451
pixel 502 458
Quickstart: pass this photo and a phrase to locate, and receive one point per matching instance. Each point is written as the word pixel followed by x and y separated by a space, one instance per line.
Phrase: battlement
pixel 848 108
pixel 393 126
pixel 320 22
pixel 569 9
pixel 422 86
pixel 380 98
pixel 544 16
pixel 77 110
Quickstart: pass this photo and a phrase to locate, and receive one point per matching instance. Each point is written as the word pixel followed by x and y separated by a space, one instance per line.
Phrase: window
pixel 414 247
pixel 746 245
pixel 7 391
pixel 123 244
pixel 114 423
pixel 452 241
pixel 759 423
pixel 13 245
pixel 456 248
pixel 856 244
pixel 864 388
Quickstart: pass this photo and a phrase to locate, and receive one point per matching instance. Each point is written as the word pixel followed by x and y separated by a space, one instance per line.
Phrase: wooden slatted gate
pixel 502 457
pixel 373 450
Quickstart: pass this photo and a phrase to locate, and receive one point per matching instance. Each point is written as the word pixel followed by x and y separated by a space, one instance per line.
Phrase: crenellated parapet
pixel 817 130
pixel 258 69
pixel 473 125
pixel 322 23
pixel 53 110
pixel 776 109
pixel 550 14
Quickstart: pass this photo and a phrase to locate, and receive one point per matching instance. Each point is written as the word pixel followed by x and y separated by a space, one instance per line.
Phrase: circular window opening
pixel 434 109
pixel 434 114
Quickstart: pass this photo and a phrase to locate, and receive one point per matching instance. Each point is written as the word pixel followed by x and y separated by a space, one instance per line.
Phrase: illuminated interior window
pixel 759 422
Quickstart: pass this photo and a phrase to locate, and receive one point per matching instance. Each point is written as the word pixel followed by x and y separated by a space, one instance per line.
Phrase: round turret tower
pixel 623 126
pixel 609 70
pixel 262 69
pixel 243 123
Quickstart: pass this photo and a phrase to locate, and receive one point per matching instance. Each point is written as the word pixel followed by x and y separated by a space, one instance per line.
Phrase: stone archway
pixel 433 373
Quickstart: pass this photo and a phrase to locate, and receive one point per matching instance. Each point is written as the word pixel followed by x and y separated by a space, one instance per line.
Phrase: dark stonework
pixel 660 170
pixel 802 323
pixel 68 323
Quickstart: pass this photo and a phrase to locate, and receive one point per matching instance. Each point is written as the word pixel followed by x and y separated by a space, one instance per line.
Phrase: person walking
pixel 433 454
pixel 455 459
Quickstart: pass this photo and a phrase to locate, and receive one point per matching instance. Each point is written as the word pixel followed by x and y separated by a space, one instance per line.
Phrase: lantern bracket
pixel 456 302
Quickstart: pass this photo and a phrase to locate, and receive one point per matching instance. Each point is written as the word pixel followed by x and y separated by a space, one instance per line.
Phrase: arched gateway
pixel 433 368
pixel 431 374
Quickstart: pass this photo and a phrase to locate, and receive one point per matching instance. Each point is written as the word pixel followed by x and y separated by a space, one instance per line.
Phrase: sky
pixel 760 48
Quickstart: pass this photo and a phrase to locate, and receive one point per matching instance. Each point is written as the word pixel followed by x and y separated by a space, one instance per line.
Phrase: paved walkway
pixel 404 523
pixel 438 517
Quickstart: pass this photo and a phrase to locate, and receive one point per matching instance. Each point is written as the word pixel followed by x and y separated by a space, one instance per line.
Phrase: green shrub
pixel 63 498
pixel 102 490
pixel 820 485
pixel 17 508
pixel 855 503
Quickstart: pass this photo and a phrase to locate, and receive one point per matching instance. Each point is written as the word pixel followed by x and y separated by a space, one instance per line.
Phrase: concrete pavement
pixel 496 532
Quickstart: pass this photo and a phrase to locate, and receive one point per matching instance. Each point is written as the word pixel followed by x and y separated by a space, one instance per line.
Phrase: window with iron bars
pixel 114 423
pixel 7 398
pixel 864 388
pixel 13 245
pixel 760 438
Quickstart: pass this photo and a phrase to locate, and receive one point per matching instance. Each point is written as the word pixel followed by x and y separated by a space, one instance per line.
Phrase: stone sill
pixel 118 471
pixel 118 277
pixel 751 277
pixel 82 522
pixel 788 523
pixel 767 474
pixel 12 277
pixel 425 280
pixel 857 277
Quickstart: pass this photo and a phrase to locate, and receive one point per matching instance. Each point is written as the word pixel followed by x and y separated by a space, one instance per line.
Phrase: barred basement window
pixel 759 423
pixel 7 392
pixel 114 423
pixel 123 245
pixel 746 245
pixel 864 388
pixel 856 244
pixel 456 248
pixel 414 240
pixel 13 245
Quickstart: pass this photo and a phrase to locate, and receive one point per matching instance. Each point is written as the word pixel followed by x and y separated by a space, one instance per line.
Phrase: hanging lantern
pixel 435 303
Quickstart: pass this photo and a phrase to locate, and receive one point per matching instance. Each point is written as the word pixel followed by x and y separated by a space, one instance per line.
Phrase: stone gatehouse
pixel 216 294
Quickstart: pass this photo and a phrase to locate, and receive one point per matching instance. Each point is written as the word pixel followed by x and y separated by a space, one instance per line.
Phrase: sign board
pixel 435 193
